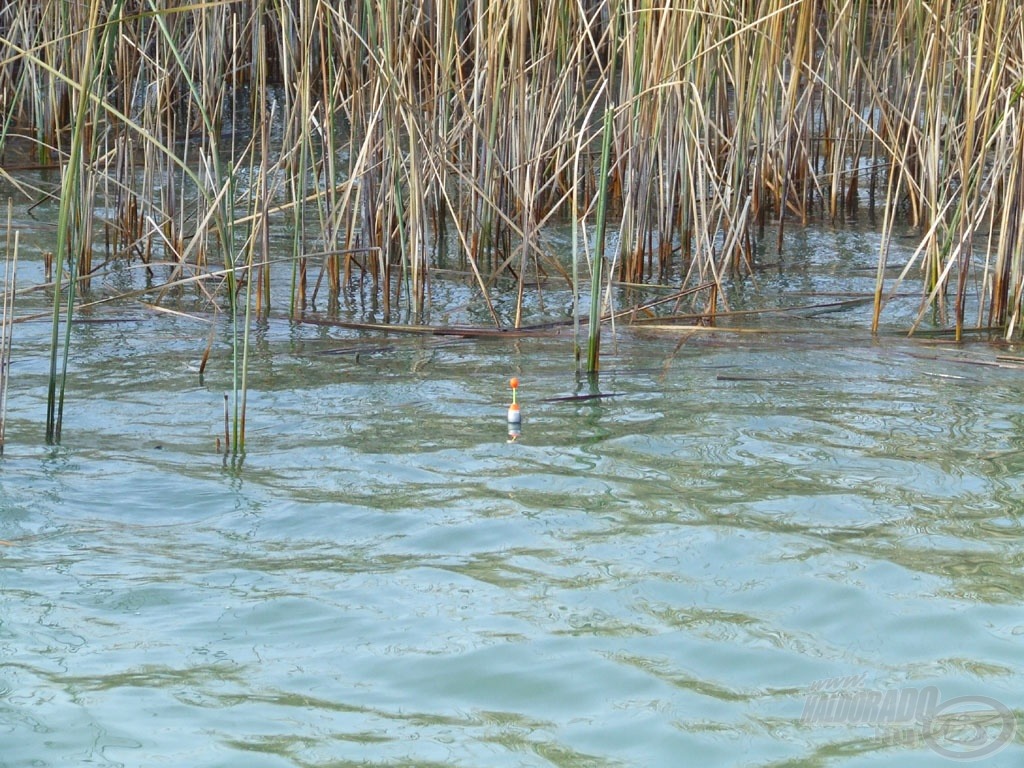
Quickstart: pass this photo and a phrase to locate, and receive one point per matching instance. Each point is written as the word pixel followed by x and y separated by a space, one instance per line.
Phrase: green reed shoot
pixel 594 330
pixel 74 215
pixel 7 318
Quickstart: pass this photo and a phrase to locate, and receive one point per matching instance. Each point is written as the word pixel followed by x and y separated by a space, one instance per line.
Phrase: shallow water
pixel 666 576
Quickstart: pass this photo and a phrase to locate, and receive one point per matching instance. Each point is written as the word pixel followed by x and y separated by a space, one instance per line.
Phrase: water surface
pixel 656 578
pixel 663 577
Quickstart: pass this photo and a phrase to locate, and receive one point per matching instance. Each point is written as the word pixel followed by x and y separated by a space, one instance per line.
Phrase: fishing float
pixel 514 416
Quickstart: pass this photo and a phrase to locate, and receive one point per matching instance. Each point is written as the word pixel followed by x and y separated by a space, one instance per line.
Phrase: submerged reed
pixel 392 138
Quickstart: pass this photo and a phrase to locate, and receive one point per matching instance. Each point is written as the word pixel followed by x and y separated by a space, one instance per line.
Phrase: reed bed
pixel 391 138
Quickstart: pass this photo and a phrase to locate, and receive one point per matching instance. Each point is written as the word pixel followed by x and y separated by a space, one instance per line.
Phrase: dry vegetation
pixel 389 136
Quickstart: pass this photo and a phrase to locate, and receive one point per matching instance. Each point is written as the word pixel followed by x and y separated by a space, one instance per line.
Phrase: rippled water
pixel 656 578
pixel 663 577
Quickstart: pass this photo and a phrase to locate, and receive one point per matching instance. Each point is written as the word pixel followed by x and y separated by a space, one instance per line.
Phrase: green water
pixel 664 577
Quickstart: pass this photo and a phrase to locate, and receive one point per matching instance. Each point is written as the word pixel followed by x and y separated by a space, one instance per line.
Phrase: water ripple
pixel 385 579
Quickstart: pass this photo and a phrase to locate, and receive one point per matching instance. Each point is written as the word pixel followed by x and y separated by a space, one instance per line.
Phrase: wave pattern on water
pixel 387 581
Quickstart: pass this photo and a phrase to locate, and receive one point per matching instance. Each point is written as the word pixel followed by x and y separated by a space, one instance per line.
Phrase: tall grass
pixel 391 138
pixel 78 186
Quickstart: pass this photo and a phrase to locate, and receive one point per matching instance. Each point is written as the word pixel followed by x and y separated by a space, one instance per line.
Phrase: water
pixel 663 577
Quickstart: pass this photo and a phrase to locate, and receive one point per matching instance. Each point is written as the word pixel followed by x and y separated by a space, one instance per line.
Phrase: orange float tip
pixel 513 382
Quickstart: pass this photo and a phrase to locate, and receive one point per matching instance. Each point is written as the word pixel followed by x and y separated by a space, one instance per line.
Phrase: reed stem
pixel 594 329
pixel 6 341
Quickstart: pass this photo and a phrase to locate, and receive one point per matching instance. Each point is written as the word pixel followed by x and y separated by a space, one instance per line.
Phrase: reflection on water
pixel 386 580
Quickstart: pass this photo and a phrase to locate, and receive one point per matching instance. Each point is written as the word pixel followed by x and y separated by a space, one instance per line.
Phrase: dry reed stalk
pixel 954 158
